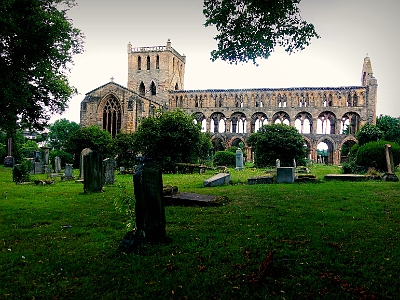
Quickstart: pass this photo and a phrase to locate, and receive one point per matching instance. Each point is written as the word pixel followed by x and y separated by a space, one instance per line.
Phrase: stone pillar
pixel 81 166
pixel 9 160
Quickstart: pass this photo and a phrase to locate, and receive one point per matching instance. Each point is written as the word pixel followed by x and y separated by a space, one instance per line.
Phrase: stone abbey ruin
pixel 156 80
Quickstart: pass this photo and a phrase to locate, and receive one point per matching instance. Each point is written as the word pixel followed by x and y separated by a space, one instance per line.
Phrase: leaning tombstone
pixel 93 172
pixel 149 207
pixel 81 165
pixel 108 165
pixel 239 159
pixel 390 175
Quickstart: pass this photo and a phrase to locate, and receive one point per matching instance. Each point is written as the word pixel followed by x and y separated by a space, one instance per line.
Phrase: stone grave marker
pixel 45 155
pixel 285 175
pixel 294 163
pixel 93 172
pixel 67 172
pixel 278 163
pixel 38 167
pixel 57 164
pixel 149 207
pixel 390 175
pixel 9 160
pixel 239 159
pixel 108 165
pixel 81 165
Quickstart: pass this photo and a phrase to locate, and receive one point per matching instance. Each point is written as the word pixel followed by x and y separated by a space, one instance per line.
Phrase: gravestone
pixel 93 172
pixel 239 159
pixel 45 155
pixel 9 160
pixel 67 172
pixel 285 175
pixel 278 163
pixel 38 167
pixel 81 164
pixel 57 164
pixel 390 175
pixel 294 163
pixel 149 206
pixel 217 180
pixel 108 165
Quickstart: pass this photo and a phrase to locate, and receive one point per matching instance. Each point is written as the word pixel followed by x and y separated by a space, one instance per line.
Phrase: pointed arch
pixel 153 89
pixel 142 89
pixel 148 62
pixel 158 62
pixel 139 63
pixel 112 116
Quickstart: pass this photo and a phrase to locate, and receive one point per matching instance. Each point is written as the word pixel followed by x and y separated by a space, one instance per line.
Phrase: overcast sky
pixel 349 29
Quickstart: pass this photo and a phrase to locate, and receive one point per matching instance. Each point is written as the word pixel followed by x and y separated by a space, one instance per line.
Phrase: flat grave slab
pixel 261 180
pixel 345 177
pixel 192 199
pixel 217 180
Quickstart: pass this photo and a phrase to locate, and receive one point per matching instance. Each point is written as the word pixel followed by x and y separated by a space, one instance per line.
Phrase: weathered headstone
pixel 67 172
pixel 294 163
pixel 278 163
pixel 57 164
pixel 390 175
pixel 285 174
pixel 239 159
pixel 45 155
pixel 93 172
pixel 108 165
pixel 38 167
pixel 81 166
pixel 9 160
pixel 149 206
pixel 217 180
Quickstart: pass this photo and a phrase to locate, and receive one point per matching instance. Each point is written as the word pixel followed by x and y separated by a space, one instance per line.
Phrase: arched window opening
pixel 112 116
pixel 142 89
pixel 355 100
pixel 330 101
pixel 324 101
pixel 148 62
pixel 153 88
pixel 221 126
pixel 350 123
pixel 348 100
pixel 139 63
pixel 325 152
pixel 176 87
pixel 158 62
pixel 173 64
pixel 180 101
pixel 326 123
pixel 196 101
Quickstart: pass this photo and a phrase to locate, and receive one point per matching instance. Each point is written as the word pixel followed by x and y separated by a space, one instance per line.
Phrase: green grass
pixel 331 240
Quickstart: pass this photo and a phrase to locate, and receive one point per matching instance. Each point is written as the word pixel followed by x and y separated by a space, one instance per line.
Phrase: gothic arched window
pixel 142 89
pixel 139 63
pixel 158 62
pixel 153 88
pixel 112 116
pixel 148 62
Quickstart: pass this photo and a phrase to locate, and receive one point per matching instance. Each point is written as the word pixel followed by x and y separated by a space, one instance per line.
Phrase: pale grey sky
pixel 349 29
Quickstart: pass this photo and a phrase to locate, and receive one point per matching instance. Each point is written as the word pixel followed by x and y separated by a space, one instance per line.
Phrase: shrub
pixel 225 158
pixel 66 158
pixel 373 155
pixel 368 133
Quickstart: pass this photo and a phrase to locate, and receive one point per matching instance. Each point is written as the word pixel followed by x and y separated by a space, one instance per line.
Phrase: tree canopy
pixel 251 29
pixel 59 133
pixel 171 137
pixel 37 43
pixel 390 127
pixel 368 133
pixel 277 141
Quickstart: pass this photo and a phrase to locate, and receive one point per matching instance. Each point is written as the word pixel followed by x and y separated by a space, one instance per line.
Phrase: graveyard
pixel 322 239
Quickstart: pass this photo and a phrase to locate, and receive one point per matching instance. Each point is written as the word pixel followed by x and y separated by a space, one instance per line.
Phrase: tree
pixel 59 132
pixel 171 137
pixel 92 137
pixel 390 127
pixel 249 29
pixel 37 42
pixel 368 133
pixel 124 147
pixel 277 141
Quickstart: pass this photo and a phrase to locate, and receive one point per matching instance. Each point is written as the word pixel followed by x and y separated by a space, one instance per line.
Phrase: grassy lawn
pixel 330 240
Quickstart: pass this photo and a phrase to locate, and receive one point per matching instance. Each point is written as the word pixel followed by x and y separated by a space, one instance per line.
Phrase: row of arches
pixel 337 98
pixel 325 123
pixel 152 91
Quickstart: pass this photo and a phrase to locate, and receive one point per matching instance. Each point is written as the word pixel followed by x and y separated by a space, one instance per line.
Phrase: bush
pixel 368 133
pixel 225 158
pixel 66 158
pixel 372 155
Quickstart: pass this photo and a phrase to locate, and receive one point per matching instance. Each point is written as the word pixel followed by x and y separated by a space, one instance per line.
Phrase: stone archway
pixel 329 156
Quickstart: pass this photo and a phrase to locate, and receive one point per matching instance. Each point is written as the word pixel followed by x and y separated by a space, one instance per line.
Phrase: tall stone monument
pixel 390 175
pixel 93 172
pixel 9 160
pixel 149 207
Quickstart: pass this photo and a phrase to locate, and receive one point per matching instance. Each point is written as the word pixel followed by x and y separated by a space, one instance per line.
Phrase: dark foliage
pixel 368 133
pixel 225 158
pixel 373 155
